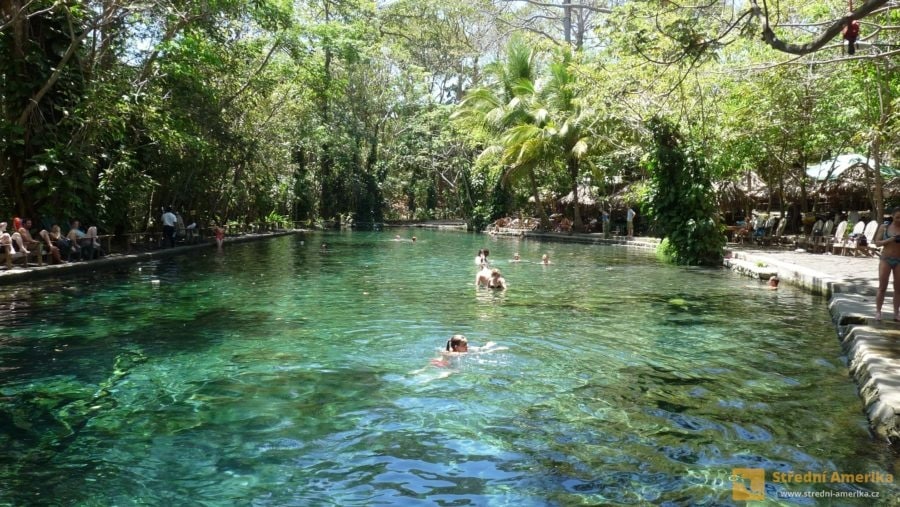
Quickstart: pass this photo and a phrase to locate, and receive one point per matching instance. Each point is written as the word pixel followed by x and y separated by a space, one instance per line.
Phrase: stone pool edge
pixel 20 274
pixel 872 348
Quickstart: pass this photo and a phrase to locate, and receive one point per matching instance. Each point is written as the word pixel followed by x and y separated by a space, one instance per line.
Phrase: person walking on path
pixel 168 221
pixel 629 219
pixel 889 263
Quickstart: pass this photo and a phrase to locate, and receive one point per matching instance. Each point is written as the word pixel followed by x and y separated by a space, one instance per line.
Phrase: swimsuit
pixel 893 262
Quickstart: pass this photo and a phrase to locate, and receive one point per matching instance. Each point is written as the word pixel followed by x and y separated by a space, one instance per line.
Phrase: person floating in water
pixel 413 239
pixel 545 260
pixel 496 281
pixel 516 258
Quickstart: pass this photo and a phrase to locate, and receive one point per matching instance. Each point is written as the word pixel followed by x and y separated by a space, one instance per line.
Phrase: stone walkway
pixel 818 273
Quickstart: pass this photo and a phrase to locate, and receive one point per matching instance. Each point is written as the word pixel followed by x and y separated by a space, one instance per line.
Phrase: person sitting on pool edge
pixel 496 281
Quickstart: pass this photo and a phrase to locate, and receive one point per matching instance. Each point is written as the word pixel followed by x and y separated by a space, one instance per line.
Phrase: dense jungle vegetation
pixel 316 110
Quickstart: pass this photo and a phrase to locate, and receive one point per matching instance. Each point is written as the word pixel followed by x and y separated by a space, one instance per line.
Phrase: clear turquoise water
pixel 276 374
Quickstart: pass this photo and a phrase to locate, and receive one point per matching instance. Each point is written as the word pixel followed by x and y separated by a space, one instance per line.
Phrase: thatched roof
pixel 748 187
pixel 545 195
pixel 587 196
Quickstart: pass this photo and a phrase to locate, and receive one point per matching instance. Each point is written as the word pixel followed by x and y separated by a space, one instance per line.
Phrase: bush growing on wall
pixel 681 200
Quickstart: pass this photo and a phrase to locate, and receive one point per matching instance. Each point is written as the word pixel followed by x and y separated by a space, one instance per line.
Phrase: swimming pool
pixel 276 373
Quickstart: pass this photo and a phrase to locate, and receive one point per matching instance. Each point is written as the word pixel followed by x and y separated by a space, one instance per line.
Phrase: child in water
pixel 457 346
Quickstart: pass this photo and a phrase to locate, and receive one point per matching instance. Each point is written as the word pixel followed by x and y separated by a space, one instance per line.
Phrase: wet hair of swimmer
pixel 455 341
pixel 773 281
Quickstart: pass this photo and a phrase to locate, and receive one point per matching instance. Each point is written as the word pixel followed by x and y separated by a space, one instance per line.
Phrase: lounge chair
pixel 778 237
pixel 768 229
pixel 853 243
pixel 839 240
pixel 824 238
pixel 807 241
pixel 871 232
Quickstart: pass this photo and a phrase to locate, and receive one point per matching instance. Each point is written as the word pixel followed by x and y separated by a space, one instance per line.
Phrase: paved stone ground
pixel 820 273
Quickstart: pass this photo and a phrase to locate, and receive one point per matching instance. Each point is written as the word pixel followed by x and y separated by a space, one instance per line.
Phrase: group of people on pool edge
pixel 491 278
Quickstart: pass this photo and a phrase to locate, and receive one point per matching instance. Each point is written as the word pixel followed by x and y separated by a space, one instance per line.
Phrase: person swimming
pixel 483 277
pixel 545 260
pixel 482 258
pixel 496 281
pixel 516 258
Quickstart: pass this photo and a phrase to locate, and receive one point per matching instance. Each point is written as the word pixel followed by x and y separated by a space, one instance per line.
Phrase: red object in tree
pixel 851 33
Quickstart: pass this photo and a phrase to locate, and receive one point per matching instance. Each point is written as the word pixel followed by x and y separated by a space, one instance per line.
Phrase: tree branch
pixel 262 66
pixel 833 30
pixel 57 72
pixel 570 5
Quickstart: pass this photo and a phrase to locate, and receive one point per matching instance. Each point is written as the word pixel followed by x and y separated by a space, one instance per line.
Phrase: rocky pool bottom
pixel 278 373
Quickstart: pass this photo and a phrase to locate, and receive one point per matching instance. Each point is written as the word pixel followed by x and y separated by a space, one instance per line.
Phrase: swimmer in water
pixel 496 281
pixel 482 258
pixel 516 258
pixel 483 278
pixel 772 284
pixel 545 260
pixel 458 346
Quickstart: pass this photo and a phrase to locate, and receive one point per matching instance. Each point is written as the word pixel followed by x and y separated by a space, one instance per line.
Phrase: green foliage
pixel 682 202
pixel 235 109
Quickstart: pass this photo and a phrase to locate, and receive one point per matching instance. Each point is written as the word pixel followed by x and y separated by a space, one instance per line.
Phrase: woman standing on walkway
pixel 890 263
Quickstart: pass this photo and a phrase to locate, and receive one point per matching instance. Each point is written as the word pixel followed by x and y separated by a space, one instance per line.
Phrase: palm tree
pixel 571 137
pixel 507 110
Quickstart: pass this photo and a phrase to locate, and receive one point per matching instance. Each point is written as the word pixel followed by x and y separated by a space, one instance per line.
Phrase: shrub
pixel 681 200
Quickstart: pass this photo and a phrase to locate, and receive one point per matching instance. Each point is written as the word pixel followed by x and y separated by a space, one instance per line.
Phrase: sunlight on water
pixel 276 373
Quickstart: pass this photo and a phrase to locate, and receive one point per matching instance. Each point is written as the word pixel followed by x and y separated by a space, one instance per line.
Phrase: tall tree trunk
pixel 545 221
pixel 567 21
pixel 573 172
pixel 884 110
pixel 879 180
